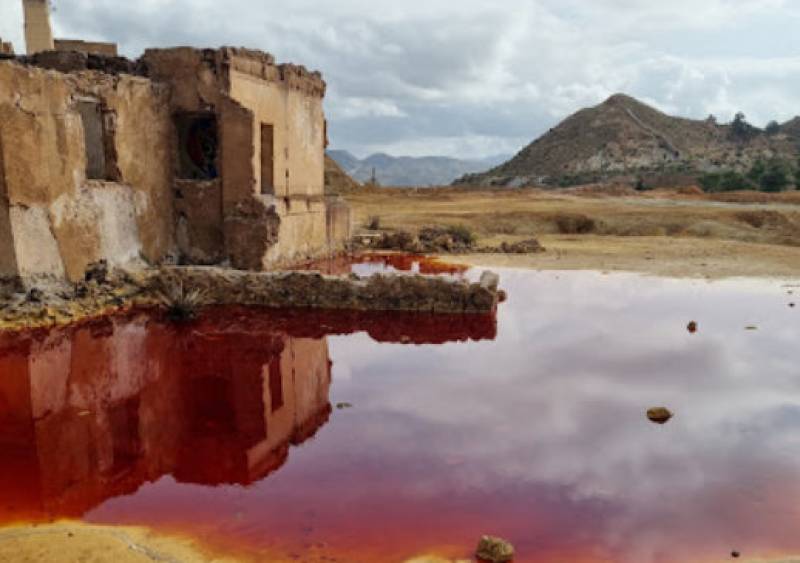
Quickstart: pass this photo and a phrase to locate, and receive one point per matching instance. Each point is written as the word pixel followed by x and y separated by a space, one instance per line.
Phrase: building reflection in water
pixel 91 413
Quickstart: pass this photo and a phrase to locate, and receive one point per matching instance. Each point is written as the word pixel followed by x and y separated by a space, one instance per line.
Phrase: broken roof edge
pixel 255 63
pixel 252 62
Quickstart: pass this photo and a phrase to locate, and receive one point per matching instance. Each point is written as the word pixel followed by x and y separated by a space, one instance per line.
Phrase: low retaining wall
pixel 313 290
pixel 105 293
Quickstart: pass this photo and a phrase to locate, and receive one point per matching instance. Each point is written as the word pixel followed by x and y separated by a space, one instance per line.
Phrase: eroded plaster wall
pixel 299 133
pixel 95 169
pixel 196 88
pixel 288 100
pixel 61 222
pixel 263 226
pixel 8 260
pixel 95 47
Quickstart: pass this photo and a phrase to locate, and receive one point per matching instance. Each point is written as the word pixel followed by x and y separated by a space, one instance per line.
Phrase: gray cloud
pixel 470 79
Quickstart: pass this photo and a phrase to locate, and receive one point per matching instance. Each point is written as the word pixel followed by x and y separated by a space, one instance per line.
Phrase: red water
pixel 533 429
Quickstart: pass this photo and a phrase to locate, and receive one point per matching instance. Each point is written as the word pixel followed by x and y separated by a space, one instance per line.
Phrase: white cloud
pixel 433 75
pixel 353 107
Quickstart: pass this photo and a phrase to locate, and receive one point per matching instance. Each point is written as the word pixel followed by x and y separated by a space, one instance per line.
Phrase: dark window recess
pixel 267 159
pixel 123 419
pixel 99 127
pixel 198 145
pixel 275 385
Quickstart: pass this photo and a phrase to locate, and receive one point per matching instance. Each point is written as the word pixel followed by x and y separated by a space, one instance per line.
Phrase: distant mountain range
pixel 411 171
pixel 625 139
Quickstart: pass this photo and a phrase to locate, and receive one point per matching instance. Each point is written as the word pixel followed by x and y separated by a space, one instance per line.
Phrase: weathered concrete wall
pixel 339 220
pixel 302 233
pixel 95 47
pixel 38 33
pixel 299 126
pixel 198 210
pixel 96 169
pixel 60 221
pixel 262 226
pixel 289 100
pixel 8 259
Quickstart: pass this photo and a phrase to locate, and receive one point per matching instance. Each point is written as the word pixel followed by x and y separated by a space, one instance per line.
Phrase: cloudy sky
pixel 477 78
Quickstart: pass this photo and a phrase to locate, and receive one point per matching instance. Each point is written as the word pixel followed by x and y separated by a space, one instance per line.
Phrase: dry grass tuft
pixel 181 305
pixel 575 224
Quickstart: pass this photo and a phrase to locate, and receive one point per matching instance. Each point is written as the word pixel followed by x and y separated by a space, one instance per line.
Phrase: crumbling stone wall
pixel 268 218
pixel 59 220
pixel 94 47
pixel 210 155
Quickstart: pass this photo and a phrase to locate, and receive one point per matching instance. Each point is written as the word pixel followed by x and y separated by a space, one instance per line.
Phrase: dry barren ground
pixel 73 542
pixel 661 232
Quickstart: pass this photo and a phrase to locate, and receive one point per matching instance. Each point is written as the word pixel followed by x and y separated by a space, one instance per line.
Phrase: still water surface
pixel 531 426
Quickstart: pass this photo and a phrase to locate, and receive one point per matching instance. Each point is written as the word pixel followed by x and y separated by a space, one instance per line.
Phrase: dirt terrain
pixel 674 233
pixel 57 543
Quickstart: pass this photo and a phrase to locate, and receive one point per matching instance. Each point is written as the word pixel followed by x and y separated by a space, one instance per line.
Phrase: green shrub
pixel 757 171
pixel 741 130
pixel 776 177
pixel 773 128
pixel 728 181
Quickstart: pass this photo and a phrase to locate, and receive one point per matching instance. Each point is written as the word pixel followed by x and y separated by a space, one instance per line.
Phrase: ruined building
pixel 186 155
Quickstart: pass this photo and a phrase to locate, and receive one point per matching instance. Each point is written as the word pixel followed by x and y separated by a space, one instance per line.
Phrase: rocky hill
pixel 337 181
pixel 623 138
pixel 411 171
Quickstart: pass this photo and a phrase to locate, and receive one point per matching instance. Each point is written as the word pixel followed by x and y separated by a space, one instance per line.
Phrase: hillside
pixel 792 130
pixel 337 181
pixel 623 137
pixel 410 171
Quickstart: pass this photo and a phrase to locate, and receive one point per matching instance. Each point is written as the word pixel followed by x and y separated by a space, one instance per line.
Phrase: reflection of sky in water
pixel 541 435
pixel 559 399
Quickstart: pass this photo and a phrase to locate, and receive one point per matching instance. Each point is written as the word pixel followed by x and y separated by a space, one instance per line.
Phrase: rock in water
pixel 494 550
pixel 659 415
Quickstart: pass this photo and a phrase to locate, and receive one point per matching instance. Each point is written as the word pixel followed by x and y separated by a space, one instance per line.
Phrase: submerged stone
pixel 659 415
pixel 494 550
